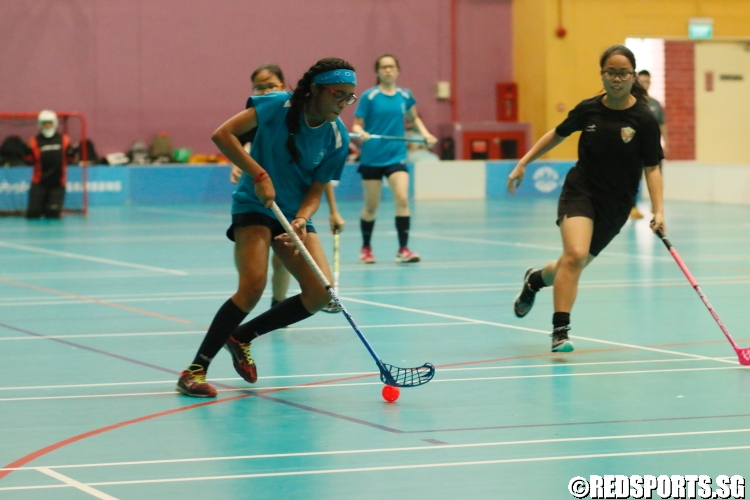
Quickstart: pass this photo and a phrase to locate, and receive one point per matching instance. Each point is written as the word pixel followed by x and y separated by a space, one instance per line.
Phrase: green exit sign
pixel 700 28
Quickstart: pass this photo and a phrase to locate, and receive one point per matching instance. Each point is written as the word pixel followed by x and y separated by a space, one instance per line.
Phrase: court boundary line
pixel 76 484
pixel 325 385
pixel 33 455
pixel 101 260
pixel 534 330
pixel 322 375
pixel 402 467
pixel 196 332
pixel 387 450
pixel 84 298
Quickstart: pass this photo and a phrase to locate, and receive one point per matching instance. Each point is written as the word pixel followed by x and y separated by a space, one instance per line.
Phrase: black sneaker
pixel 525 300
pixel 560 340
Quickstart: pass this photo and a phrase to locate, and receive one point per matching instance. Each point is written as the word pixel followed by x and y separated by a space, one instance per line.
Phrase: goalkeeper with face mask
pixel 50 153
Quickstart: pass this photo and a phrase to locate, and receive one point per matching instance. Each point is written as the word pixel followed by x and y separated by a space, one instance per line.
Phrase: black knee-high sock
pixel 402 228
pixel 285 313
pixel 560 319
pixel 226 320
pixel 367 228
pixel 536 282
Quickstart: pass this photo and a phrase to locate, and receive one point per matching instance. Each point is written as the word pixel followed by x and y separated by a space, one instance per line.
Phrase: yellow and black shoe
pixel 242 359
pixel 192 382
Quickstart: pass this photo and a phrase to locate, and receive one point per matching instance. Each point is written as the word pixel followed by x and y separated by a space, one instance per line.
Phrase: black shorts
pixel 577 201
pixel 258 219
pixel 376 173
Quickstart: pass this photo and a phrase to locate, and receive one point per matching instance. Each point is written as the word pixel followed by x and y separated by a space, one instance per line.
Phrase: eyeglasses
pixel 263 89
pixel 609 74
pixel 340 95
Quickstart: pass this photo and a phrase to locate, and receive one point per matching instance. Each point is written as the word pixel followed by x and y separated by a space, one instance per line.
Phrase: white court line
pixel 75 484
pixel 556 248
pixel 350 374
pixel 194 332
pixel 535 330
pixel 359 384
pixel 91 259
pixel 387 450
pixel 358 292
pixel 400 467
pixel 173 211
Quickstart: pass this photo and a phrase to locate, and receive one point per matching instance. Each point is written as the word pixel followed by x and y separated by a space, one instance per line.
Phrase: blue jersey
pixel 323 150
pixel 384 115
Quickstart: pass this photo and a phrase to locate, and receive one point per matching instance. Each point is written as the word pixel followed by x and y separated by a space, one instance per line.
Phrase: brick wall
pixel 679 76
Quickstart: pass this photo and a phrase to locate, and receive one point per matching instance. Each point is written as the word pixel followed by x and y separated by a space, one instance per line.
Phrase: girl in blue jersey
pixel 266 79
pixel 619 139
pixel 382 111
pixel 299 144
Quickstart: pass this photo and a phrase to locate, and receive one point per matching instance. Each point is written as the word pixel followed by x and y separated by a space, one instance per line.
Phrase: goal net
pixel 15 179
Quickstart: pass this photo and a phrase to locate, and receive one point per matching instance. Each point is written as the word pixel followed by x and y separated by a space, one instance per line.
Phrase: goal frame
pixel 63 117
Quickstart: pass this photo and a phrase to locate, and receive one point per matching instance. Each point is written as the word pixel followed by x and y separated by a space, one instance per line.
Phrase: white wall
pixel 722 110
pixel 707 182
pixel 450 180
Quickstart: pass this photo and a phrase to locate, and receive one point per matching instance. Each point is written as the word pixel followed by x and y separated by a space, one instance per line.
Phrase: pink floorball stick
pixel 742 354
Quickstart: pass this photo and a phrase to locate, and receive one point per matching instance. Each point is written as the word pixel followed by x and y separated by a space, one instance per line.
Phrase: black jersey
pixel 51 156
pixel 614 147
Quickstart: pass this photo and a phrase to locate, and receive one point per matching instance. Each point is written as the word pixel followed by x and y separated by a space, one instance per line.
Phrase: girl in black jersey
pixel 619 138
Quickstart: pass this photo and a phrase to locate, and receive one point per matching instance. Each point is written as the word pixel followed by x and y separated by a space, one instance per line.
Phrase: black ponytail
pixel 302 94
pixel 638 90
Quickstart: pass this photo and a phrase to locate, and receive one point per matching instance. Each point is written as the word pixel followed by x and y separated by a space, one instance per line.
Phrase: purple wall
pixel 136 67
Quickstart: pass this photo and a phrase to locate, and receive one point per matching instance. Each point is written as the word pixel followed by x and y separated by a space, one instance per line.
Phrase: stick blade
pixel 744 356
pixel 407 377
pixel 332 307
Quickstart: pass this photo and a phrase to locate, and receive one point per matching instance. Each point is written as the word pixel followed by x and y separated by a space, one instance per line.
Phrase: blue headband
pixel 336 76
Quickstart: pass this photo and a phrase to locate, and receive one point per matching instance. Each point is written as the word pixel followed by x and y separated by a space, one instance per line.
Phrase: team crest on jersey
pixel 627 134
pixel 320 157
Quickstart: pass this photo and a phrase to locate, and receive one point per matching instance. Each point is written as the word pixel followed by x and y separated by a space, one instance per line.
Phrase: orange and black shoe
pixel 242 359
pixel 192 382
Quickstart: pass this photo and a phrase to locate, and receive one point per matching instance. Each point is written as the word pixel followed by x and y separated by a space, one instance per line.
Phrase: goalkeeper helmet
pixel 47 116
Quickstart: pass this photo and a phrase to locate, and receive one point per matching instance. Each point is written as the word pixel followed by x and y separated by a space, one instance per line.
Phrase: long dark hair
pixel 302 94
pixel 638 90
pixel 377 66
pixel 271 68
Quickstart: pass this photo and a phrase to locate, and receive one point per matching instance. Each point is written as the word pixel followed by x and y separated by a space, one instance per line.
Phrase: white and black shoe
pixel 525 300
pixel 560 340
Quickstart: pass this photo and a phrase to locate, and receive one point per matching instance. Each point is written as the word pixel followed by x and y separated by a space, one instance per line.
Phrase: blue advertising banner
pixel 164 184
pixel 542 179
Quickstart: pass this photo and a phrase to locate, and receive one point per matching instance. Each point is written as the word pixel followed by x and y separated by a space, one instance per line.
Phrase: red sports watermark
pixel 689 486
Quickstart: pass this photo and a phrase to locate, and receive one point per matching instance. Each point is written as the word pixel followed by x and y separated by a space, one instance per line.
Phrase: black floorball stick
pixel 742 353
pixel 389 374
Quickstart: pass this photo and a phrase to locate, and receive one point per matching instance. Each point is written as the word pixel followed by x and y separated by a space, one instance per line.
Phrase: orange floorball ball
pixel 390 393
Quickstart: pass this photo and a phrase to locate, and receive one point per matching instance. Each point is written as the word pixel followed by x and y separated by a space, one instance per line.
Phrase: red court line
pixel 39 453
pixel 56 446
pixel 95 301
pixel 60 444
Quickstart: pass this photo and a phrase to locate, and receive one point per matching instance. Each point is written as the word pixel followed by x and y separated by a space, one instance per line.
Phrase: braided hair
pixel 638 90
pixel 302 94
